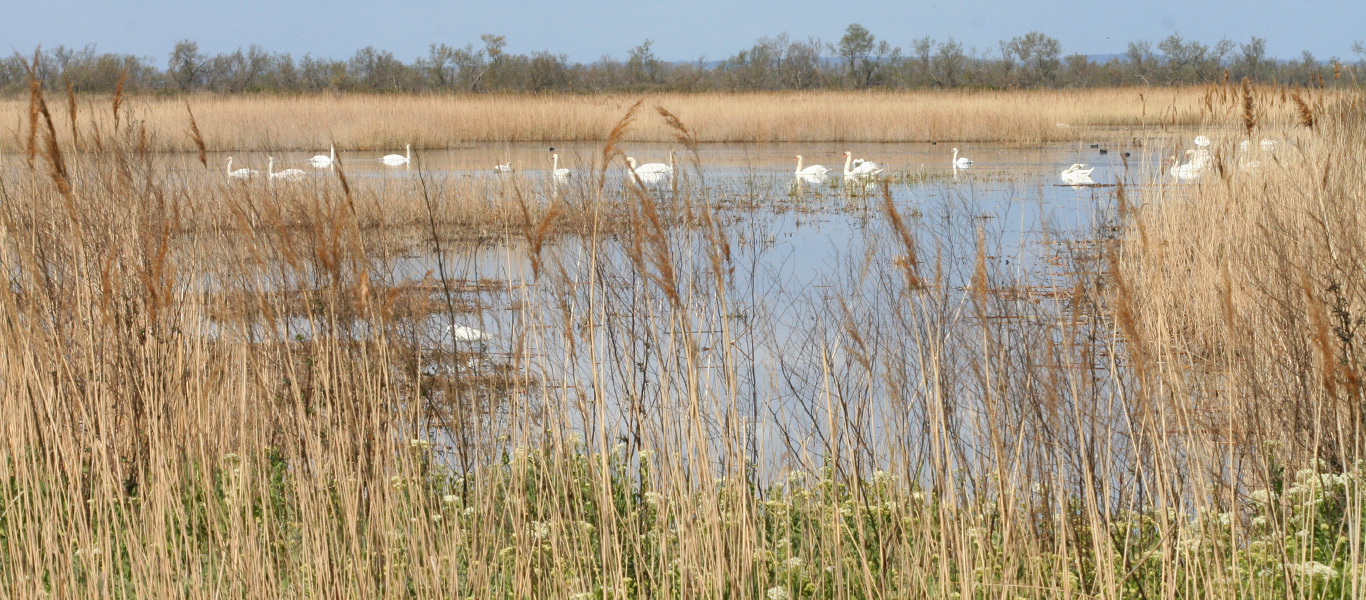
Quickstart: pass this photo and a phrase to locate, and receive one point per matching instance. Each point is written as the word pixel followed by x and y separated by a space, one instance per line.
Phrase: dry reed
pixel 230 389
pixel 432 121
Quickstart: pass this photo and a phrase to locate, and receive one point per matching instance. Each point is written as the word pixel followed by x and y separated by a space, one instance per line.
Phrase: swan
pixel 503 168
pixel 1076 175
pixel 287 174
pixel 961 162
pixel 555 170
pixel 243 173
pixel 1190 170
pixel 1077 178
pixel 1202 141
pixel 395 160
pixel 468 335
pixel 648 178
pixel 322 161
pixel 861 168
pixel 1077 170
pixel 811 171
pixel 653 167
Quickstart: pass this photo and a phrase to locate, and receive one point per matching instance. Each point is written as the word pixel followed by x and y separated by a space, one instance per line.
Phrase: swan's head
pixel 955 149
pixel 847 154
pixel 797 157
pixel 632 162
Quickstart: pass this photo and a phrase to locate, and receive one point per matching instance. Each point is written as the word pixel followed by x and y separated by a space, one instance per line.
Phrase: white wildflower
pixel 1191 543
pixel 449 499
pixel 794 562
pixel 777 593
pixel 1317 570
pixel 539 530
pixel 1260 496
pixel 647 454
pixel 417 444
pixel 880 476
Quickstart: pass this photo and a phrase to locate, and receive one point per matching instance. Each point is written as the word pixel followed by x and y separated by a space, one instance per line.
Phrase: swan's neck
pixel 632 162
pixel 671 160
pixel 799 165
pixel 270 167
pixel 408 151
pixel 555 162
pixel 848 160
pixel 955 155
pixel 230 165
pixel 332 153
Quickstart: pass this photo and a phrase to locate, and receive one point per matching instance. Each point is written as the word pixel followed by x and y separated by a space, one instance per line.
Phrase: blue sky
pixel 681 29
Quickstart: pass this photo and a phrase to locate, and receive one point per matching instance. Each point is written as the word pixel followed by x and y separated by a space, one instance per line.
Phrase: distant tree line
pixel 859 60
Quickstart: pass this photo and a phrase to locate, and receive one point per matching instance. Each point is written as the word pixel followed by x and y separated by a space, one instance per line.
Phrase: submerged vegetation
pixel 216 388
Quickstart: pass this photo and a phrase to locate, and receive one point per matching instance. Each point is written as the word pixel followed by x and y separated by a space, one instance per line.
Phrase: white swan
pixel 468 335
pixel 1077 170
pixel 243 173
pixel 555 170
pixel 394 160
pixel 648 178
pixel 1076 175
pixel 1190 170
pixel 961 162
pixel 503 168
pixel 653 167
pixel 323 161
pixel 811 171
pixel 861 168
pixel 287 174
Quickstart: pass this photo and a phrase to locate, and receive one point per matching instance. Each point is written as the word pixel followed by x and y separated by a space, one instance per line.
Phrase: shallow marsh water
pixel 807 260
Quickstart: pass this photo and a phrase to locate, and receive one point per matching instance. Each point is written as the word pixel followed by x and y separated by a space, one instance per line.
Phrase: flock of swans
pixel 1197 161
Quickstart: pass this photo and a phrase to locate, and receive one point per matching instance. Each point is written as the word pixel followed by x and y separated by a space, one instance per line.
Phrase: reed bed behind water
pixel 178 423
pixel 383 122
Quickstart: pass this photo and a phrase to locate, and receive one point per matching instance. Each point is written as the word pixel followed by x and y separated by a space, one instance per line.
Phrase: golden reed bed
pixel 378 122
